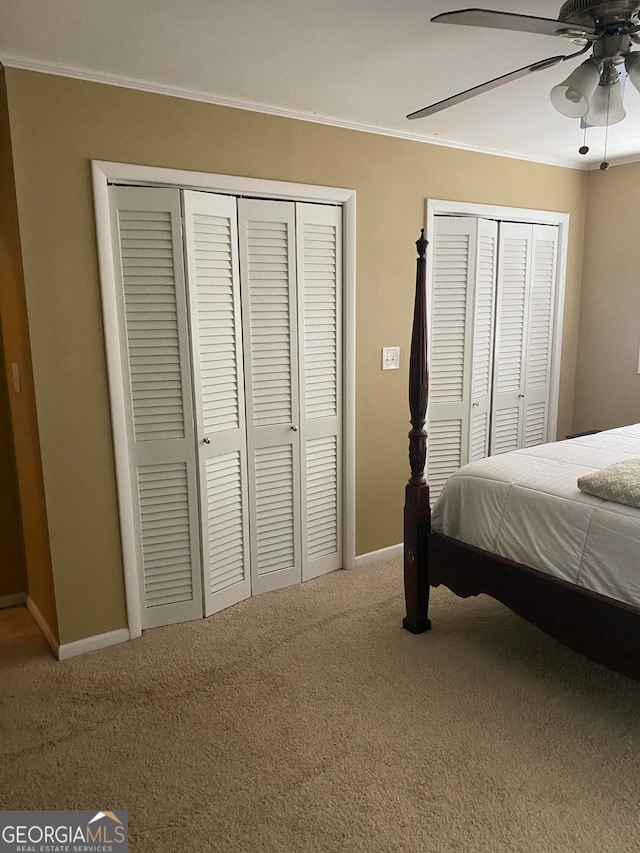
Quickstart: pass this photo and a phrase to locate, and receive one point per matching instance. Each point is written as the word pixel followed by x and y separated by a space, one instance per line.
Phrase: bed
pixel 516 527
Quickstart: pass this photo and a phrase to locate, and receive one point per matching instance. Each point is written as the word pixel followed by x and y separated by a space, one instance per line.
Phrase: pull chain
pixel 604 165
pixel 584 148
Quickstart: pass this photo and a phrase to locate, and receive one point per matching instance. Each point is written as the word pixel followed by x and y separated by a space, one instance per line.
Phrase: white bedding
pixel 526 506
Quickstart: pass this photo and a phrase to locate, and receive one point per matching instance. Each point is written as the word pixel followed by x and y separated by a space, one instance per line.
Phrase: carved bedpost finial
pixel 421 244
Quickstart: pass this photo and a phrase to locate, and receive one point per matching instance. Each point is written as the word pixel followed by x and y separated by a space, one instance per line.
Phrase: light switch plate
pixel 390 358
pixel 15 375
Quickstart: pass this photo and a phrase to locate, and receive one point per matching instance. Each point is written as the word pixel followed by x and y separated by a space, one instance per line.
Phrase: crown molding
pixel 62 70
pixel 618 161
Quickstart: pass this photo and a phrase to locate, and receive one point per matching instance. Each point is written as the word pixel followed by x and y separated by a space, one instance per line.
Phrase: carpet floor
pixel 308 720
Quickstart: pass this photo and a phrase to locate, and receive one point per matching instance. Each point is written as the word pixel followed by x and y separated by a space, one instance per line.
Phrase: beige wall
pixel 22 406
pixel 607 380
pixel 59 125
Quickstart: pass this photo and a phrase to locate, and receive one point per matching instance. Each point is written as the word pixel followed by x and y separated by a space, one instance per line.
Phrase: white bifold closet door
pixel 290 285
pixel 524 327
pixel 269 315
pixel 461 344
pixel 231 366
pixel 490 357
pixel 211 241
pixel 157 377
pixel 319 273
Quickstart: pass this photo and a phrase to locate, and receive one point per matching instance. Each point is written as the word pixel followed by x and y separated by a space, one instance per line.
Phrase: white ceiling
pixel 357 63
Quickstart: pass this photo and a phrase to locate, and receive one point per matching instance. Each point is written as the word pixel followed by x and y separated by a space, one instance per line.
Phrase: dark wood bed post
pixel 417 512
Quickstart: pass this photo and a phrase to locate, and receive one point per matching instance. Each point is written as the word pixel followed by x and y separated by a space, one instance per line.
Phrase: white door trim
pixel 106 173
pixel 435 207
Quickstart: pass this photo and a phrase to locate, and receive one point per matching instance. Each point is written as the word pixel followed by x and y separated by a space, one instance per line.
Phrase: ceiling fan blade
pixel 511 21
pixel 487 87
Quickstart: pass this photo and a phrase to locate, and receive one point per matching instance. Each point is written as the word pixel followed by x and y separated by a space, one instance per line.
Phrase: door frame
pixel 104 174
pixel 440 207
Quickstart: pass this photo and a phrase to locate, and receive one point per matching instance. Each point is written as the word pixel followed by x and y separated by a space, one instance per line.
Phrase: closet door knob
pixel 294 428
pixel 477 403
pixel 521 396
pixel 207 440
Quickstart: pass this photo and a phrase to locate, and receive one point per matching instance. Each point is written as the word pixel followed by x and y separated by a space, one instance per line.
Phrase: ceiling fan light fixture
pixel 606 105
pixel 593 92
pixel 572 96
pixel 632 64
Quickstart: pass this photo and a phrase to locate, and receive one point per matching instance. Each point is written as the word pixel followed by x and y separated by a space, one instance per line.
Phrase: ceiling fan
pixel 593 91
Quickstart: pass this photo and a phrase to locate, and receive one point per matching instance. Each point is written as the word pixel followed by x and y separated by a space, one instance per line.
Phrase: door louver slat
pixel 479 437
pixel 226 524
pixel 322 497
pixel 483 331
pixel 148 279
pixel 268 267
pixel 320 306
pixel 167 564
pixel 274 530
pixel 446 435
pixel 511 316
pixel 506 430
pixel 449 317
pixel 535 424
pixel 216 320
pixel 539 350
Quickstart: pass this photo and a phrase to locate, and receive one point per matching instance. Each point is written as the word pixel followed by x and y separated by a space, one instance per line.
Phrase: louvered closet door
pixel 269 317
pixel 514 272
pixel 483 338
pixel 149 269
pixel 211 240
pixel 319 267
pixel 526 305
pixel 461 254
pixel 538 349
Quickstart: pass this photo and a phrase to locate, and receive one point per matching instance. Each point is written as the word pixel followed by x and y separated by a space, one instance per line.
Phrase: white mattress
pixel 526 506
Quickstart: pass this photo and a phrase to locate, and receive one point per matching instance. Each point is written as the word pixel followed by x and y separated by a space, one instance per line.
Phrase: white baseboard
pixel 12 600
pixel 41 622
pixel 64 651
pixel 92 644
pixel 383 554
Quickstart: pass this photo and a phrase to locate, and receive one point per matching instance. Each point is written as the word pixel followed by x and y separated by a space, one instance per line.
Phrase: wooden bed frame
pixel 597 627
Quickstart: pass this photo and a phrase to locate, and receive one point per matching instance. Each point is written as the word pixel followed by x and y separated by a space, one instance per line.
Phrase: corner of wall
pixel 30 503
pixel 607 391
pixel 13 572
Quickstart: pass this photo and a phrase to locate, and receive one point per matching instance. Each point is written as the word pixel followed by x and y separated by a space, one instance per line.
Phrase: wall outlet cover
pixel 390 358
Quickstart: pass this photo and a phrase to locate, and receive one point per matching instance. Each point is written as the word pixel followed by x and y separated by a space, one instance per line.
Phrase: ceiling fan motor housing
pixel 600 13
